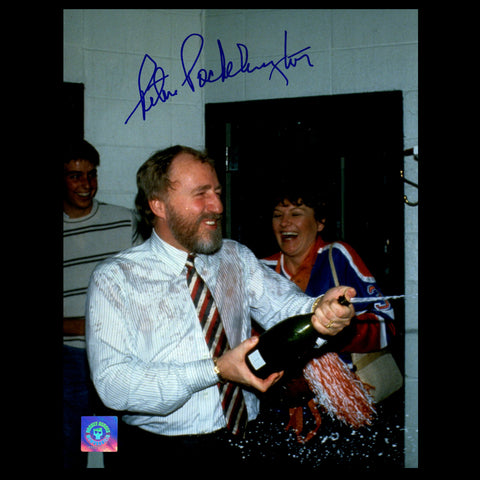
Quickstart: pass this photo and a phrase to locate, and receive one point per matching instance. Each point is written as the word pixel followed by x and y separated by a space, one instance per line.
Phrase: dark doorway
pixel 351 144
pixel 72 110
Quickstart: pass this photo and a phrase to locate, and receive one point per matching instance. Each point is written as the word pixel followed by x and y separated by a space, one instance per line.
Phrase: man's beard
pixel 186 232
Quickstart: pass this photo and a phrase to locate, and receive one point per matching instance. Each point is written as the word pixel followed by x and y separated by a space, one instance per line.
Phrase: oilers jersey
pixel 373 322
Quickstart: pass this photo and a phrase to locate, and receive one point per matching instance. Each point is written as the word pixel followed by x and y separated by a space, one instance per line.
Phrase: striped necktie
pixel 231 394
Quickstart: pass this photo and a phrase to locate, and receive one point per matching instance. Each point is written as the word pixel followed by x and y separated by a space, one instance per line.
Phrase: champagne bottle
pixel 286 344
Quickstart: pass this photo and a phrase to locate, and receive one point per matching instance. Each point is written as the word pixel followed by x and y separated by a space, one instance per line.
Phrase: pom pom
pixel 339 390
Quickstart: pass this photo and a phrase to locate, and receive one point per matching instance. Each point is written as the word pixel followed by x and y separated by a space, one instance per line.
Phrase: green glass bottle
pixel 286 345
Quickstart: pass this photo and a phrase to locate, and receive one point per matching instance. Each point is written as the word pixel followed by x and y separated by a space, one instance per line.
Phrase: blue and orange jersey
pixel 373 322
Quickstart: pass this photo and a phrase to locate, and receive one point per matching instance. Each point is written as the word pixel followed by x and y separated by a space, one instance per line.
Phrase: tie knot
pixel 190 260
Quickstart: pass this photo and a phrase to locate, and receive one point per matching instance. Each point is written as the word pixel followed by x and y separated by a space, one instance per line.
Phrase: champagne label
pixel 256 360
pixel 320 342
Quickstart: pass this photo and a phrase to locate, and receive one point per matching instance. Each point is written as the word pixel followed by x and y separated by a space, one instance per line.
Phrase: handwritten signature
pixel 153 91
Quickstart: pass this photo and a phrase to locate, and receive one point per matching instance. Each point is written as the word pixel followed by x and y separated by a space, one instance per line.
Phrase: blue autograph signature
pixel 154 91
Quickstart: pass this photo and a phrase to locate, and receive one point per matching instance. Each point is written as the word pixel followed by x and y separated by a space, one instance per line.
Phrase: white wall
pixel 352 51
pixel 104 49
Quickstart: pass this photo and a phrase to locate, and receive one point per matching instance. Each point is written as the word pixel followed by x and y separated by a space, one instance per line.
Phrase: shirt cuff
pixel 200 374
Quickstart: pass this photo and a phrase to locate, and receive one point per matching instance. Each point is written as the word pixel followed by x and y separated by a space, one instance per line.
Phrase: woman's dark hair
pixel 153 181
pixel 314 194
pixel 299 194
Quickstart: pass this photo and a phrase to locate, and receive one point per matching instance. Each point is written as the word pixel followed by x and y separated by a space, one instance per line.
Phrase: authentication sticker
pixel 99 434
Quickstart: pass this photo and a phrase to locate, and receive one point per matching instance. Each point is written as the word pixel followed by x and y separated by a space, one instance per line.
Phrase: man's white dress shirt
pixel 145 345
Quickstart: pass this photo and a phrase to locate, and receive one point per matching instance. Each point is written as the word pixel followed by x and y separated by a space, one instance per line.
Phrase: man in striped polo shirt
pixel 92 231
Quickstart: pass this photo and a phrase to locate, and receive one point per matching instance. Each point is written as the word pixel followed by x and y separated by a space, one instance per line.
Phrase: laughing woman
pixel 299 218
pixel 315 265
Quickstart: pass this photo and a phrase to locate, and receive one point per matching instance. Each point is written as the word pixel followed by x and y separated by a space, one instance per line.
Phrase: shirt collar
pixel 93 211
pixel 173 257
pixel 176 259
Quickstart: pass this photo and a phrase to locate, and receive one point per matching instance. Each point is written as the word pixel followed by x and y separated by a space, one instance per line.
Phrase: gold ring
pixel 329 324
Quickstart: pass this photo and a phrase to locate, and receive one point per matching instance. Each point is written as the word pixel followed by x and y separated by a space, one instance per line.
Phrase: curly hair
pixel 299 194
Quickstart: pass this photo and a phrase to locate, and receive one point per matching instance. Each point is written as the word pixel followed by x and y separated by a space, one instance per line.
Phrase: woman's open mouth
pixel 289 235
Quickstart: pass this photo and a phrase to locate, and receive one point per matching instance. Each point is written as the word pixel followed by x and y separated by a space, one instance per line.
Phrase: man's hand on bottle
pixel 330 317
pixel 233 368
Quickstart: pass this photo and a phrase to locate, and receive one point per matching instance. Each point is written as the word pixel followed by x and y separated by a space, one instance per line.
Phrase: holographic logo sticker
pixel 99 434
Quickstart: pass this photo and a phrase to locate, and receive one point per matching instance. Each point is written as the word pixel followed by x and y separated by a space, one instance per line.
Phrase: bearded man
pixel 147 346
